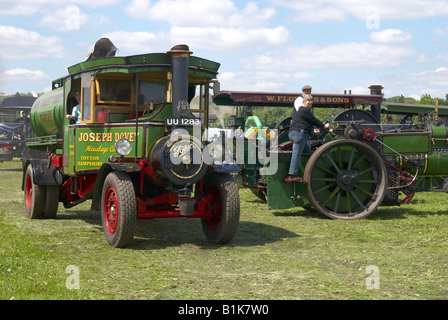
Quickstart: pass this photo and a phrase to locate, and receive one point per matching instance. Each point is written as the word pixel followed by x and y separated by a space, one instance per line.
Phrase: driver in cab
pixel 300 131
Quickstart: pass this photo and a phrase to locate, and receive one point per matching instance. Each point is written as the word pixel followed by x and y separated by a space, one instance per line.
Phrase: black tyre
pixel 222 210
pixel 34 195
pixel 345 179
pixel 51 202
pixel 118 209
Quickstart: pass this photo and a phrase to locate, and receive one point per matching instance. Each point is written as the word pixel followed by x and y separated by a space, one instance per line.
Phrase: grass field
pixel 396 253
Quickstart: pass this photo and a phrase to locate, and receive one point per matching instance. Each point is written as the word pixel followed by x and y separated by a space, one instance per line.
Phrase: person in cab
pixel 300 132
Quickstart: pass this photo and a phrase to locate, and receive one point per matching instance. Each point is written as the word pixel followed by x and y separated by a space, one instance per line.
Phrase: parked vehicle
pixel 138 151
pixel 356 166
pixel 14 126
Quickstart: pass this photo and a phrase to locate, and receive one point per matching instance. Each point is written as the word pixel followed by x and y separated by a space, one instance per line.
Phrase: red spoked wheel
pixel 111 210
pixel 34 196
pixel 223 210
pixel 406 199
pixel 214 209
pixel 119 209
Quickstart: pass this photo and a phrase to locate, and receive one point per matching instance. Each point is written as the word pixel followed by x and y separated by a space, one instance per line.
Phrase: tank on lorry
pixel 138 151
pixel 47 114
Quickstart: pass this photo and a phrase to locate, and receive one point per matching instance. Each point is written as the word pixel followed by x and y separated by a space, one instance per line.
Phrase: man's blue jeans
pixel 299 141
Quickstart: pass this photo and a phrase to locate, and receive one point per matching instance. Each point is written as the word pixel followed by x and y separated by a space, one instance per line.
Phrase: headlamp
pixel 123 146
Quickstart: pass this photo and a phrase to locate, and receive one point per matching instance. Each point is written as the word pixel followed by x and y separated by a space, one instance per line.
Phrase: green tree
pixel 401 99
pixel 269 115
pixel 426 99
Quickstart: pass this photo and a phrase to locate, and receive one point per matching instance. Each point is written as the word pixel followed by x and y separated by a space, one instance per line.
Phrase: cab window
pixel 114 91
pixel 151 91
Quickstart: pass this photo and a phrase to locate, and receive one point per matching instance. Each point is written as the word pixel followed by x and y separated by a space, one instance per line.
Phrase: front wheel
pixel 223 208
pixel 346 179
pixel 118 209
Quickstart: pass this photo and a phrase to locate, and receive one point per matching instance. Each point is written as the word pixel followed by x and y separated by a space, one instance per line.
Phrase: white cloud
pixel 438 77
pixel 359 90
pixel 214 25
pixel 21 74
pixel 260 81
pixel 226 39
pixel 217 39
pixel 64 19
pixel 433 82
pixel 29 7
pixel 130 43
pixel 312 11
pixel 200 13
pixel 345 55
pixel 17 43
pixel 139 9
pixel 391 36
pixel 324 10
pixel 23 80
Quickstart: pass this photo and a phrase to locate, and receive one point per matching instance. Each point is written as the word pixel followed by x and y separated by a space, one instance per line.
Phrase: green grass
pixel 282 255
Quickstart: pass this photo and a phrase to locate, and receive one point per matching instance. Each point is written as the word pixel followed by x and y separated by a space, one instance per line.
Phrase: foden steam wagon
pixel 138 151
pixel 355 167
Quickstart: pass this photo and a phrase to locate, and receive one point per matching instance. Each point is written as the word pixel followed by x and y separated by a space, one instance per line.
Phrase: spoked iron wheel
pixel 346 179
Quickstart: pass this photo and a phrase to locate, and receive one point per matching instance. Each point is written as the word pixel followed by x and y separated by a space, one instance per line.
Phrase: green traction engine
pixel 356 166
pixel 139 151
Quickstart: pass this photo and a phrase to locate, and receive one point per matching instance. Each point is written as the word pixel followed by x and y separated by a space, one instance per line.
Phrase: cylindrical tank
pixel 47 114
pixel 439 134
pixel 436 164
pixel 432 164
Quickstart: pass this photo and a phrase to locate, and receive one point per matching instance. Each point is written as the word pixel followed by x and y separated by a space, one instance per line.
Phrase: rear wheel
pixel 346 179
pixel 34 196
pixel 223 208
pixel 119 210
pixel 51 202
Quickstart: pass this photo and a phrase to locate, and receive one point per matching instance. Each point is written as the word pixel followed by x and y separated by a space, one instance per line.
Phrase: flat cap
pixel 307 87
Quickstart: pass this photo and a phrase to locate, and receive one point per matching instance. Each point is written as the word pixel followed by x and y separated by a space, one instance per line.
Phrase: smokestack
pixel 376 110
pixel 180 55
pixel 376 90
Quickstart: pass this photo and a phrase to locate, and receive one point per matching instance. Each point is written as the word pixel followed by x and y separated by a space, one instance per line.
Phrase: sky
pixel 264 45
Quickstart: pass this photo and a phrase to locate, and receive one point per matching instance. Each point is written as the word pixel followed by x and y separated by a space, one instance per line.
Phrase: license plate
pixel 188 122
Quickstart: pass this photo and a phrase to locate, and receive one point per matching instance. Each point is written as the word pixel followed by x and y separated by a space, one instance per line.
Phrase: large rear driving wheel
pixel 346 179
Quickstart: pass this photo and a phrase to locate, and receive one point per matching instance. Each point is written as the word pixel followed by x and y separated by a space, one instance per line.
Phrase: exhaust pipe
pixel 376 110
pixel 180 55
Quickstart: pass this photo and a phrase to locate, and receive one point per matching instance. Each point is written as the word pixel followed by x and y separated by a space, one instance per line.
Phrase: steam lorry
pixel 138 151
